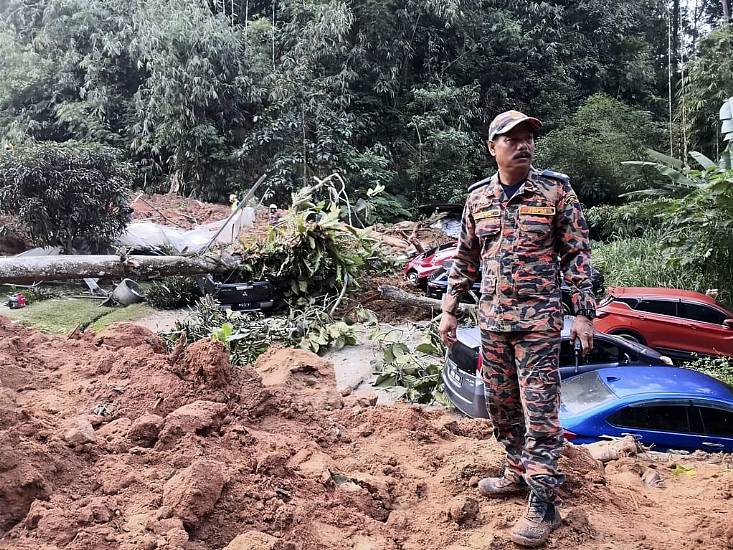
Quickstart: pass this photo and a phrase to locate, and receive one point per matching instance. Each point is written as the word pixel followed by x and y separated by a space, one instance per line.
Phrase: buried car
pixel 461 372
pixel 679 323
pixel 667 407
pixel 421 267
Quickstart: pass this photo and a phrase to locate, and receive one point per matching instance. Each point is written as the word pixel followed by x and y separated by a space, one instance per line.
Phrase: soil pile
pixel 177 211
pixel 14 238
pixel 107 442
pixel 387 310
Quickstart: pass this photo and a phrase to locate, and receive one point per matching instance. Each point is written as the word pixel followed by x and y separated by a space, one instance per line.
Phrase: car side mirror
pixel 728 323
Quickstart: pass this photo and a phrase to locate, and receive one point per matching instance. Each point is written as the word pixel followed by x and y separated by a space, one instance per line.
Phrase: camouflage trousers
pixel 522 388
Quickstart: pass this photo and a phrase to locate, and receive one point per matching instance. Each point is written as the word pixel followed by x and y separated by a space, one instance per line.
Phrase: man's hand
pixel 582 328
pixel 447 329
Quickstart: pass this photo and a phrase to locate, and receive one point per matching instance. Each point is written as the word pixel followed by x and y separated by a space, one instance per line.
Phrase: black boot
pixel 540 519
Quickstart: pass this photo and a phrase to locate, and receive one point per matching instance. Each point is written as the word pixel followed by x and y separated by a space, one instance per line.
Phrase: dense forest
pixel 202 97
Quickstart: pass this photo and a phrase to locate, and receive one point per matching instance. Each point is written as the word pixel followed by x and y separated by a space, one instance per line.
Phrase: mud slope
pixel 107 442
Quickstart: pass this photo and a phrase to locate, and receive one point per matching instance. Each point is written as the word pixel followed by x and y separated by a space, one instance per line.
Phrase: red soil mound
pixel 107 443
pixel 177 211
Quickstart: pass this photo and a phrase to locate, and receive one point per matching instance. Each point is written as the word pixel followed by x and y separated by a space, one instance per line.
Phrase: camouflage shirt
pixel 521 247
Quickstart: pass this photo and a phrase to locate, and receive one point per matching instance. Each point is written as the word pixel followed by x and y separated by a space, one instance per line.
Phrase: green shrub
pixel 248 335
pixel 590 149
pixel 172 292
pixel 634 219
pixel 717 367
pixel 644 261
pixel 66 191
pixel 411 374
pixel 311 252
pixel 381 207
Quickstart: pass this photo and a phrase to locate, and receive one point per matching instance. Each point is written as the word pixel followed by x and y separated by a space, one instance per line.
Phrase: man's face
pixel 515 149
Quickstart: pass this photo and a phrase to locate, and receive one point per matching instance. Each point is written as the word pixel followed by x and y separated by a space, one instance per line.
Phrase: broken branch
pixel 431 304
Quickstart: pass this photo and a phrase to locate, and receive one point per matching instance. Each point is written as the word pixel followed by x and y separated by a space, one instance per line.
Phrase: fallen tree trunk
pixel 398 295
pixel 394 242
pixel 59 268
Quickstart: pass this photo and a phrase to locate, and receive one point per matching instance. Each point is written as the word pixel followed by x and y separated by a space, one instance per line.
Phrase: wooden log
pixel 431 304
pixel 59 268
pixel 394 242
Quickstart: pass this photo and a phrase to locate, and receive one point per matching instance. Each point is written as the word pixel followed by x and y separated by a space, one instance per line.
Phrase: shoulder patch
pixel 478 184
pixel 571 198
pixel 556 175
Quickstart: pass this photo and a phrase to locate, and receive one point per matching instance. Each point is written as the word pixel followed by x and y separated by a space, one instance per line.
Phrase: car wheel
pixel 412 278
pixel 630 336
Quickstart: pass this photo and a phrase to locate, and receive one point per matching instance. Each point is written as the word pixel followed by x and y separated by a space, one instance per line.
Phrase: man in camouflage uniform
pixel 522 230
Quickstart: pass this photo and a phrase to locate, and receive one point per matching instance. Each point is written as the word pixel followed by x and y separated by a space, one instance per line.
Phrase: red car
pixel 678 323
pixel 419 268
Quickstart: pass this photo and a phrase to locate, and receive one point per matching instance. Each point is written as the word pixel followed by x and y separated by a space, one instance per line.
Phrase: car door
pixel 658 323
pixel 708 334
pixel 717 425
pixel 665 424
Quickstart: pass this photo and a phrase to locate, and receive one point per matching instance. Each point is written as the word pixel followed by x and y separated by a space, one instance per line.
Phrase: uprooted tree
pixel 66 192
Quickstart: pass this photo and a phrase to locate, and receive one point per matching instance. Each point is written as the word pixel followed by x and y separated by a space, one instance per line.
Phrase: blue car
pixel 466 390
pixel 667 407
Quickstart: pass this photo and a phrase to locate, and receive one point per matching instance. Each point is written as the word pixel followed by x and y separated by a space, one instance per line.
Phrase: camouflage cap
pixel 507 120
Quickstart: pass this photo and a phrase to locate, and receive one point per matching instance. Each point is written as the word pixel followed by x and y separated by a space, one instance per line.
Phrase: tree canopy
pixel 204 96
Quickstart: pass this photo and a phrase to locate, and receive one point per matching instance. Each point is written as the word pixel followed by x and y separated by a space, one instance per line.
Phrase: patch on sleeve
pixel 536 210
pixel 571 198
pixel 482 215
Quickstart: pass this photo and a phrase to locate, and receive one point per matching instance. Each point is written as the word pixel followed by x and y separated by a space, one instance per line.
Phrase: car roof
pixel 672 381
pixel 652 292
pixel 471 336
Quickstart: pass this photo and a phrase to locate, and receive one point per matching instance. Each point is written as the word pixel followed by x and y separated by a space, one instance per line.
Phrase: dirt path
pixel 187 452
pixel 163 320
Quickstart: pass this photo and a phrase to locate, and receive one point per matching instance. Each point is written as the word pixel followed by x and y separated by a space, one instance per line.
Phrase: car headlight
pixel 666 360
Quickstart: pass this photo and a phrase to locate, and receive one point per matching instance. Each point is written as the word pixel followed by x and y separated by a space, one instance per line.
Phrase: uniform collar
pixel 529 186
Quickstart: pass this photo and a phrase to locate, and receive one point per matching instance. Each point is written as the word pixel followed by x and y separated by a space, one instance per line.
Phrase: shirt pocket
pixel 538 279
pixel 536 218
pixel 488 228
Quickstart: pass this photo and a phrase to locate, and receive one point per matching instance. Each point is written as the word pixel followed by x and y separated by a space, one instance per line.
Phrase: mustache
pixel 523 155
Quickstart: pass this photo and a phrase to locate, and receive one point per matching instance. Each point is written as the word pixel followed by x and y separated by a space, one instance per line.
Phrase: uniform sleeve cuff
pixel 584 301
pixel 450 303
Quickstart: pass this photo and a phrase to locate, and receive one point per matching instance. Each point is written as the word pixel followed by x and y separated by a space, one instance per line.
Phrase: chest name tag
pixel 486 214
pixel 537 210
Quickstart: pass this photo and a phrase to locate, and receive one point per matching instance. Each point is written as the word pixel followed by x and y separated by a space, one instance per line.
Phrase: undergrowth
pixel 717 367
pixel 643 262
pixel 172 292
pixel 249 334
pixel 413 374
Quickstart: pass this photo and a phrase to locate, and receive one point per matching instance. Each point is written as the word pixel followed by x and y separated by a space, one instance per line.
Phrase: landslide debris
pixel 109 443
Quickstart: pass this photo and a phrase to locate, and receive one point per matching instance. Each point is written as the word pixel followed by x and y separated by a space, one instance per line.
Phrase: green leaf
pixel 398 391
pixel 702 160
pixel 428 349
pixel 665 159
pixel 385 381
pixel 400 350
pixel 680 469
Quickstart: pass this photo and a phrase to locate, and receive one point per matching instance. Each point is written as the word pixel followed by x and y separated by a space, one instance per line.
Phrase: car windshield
pixel 584 392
